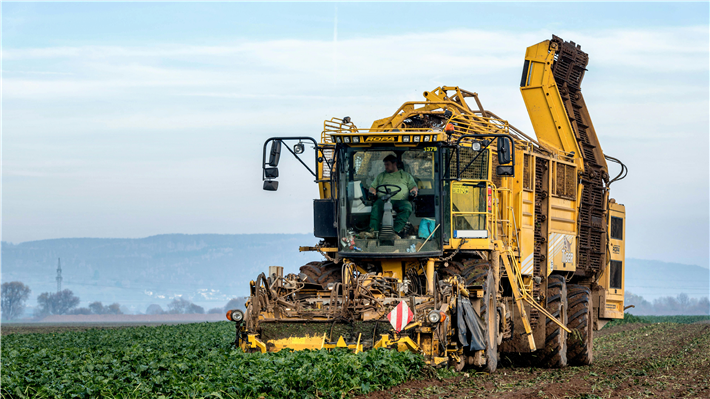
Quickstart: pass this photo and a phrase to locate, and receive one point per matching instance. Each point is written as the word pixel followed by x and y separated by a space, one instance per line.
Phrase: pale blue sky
pixel 129 119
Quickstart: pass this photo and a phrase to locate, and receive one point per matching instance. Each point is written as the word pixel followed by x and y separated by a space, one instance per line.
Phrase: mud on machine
pixel 508 243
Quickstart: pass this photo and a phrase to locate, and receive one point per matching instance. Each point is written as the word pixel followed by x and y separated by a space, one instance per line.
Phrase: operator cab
pixel 358 171
pixel 454 202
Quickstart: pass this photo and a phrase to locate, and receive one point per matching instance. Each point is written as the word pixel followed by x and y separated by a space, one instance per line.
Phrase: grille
pixel 617 228
pixel 615 274
pixel 477 170
pixel 527 172
pixel 539 259
pixel 565 182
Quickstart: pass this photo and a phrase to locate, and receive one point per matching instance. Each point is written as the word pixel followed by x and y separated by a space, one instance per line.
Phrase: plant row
pixel 192 361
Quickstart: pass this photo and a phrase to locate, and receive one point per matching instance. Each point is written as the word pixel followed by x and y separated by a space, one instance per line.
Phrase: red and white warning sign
pixel 400 316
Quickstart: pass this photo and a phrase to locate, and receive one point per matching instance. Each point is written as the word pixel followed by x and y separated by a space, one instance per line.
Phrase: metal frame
pixel 437 192
pixel 318 149
pixel 458 143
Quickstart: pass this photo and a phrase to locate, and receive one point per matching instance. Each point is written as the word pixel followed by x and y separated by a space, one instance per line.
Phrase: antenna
pixel 59 275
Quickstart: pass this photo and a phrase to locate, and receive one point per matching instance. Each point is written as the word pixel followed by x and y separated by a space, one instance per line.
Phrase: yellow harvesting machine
pixel 509 244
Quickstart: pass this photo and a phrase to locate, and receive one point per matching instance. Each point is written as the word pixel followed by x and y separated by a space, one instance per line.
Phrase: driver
pixel 400 201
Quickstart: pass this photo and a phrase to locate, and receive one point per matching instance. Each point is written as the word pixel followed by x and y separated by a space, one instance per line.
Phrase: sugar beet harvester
pixel 508 244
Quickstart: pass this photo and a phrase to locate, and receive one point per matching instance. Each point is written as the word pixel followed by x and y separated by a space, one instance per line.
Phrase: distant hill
pixel 652 279
pixel 209 269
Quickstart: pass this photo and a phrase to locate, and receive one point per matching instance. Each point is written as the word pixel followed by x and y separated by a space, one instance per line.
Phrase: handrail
pixel 526 295
pixel 515 227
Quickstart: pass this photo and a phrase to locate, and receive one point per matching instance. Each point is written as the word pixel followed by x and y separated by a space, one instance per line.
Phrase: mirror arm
pixel 281 139
pixel 300 160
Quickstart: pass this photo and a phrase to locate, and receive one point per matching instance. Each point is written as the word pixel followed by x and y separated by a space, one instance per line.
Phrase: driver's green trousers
pixel 403 209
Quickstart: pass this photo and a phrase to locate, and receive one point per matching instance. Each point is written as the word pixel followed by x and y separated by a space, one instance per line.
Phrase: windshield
pixel 391 201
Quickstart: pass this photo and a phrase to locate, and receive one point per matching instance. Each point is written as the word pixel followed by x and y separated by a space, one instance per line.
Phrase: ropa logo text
pixel 381 139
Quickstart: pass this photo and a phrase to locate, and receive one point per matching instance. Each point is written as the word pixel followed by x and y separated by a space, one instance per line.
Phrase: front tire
pixel 555 352
pixel 490 316
pixel 580 349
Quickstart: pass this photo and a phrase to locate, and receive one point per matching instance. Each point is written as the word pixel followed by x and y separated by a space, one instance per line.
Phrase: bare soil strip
pixel 58 324
pixel 631 361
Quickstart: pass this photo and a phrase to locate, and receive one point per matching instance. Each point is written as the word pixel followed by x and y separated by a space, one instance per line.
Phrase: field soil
pixel 61 323
pixel 663 360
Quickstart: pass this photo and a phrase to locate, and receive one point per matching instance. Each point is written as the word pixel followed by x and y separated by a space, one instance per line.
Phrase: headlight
pixel 434 316
pixel 416 139
pixel 235 315
pixel 405 139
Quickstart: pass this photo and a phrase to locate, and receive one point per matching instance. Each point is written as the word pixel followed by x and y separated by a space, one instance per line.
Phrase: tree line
pixel 15 295
pixel 183 306
pixel 667 305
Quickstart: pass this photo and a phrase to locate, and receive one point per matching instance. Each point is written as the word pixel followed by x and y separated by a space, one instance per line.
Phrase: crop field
pixel 636 360
pixel 185 361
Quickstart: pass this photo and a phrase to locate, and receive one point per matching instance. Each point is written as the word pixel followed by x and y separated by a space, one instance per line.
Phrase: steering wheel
pixel 386 190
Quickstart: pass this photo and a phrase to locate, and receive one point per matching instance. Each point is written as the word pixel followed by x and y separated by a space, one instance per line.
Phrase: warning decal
pixel 400 316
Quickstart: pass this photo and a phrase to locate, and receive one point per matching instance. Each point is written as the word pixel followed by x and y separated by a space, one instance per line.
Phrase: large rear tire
pixel 473 271
pixel 555 352
pixel 580 350
pixel 322 273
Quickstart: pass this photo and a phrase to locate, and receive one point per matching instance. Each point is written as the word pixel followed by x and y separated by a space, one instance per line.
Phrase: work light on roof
pixel 416 139
pixel 405 139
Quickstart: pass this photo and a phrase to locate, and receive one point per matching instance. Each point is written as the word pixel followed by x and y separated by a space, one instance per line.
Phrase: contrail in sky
pixel 335 49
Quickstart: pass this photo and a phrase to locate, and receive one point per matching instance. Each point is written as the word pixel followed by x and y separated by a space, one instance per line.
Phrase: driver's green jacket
pixel 400 178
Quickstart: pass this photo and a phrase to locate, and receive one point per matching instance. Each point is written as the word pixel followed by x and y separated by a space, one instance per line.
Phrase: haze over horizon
pixel 128 120
pixel 211 269
pixel 225 234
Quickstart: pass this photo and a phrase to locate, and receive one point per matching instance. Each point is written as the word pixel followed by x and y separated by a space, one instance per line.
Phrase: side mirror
pixel 271 185
pixel 271 173
pixel 275 153
pixel 505 170
pixel 504 151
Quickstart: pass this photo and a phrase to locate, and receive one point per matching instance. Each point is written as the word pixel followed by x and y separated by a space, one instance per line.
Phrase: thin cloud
pixel 297 66
pixel 202 112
